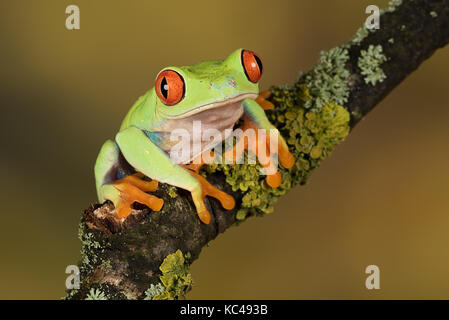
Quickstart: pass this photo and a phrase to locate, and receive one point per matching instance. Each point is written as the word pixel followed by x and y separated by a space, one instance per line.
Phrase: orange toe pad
pixel 133 189
pixel 207 189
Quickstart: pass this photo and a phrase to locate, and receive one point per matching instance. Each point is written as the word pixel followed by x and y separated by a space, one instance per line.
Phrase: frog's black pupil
pixel 164 88
pixel 259 63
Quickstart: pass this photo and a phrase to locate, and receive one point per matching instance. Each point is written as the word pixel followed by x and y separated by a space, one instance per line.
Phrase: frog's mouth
pixel 214 105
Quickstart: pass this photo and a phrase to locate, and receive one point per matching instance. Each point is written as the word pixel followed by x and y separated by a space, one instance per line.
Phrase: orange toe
pixel 207 189
pixel 146 186
pixel 265 94
pixel 123 210
pixel 227 201
pixel 274 180
pixel 204 216
pixel 261 100
pixel 286 159
pixel 130 193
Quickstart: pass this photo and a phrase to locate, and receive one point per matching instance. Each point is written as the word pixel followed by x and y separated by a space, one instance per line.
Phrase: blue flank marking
pixel 154 137
pixel 121 173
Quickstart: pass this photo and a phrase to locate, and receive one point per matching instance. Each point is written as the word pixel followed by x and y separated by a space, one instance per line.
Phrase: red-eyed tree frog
pixel 217 93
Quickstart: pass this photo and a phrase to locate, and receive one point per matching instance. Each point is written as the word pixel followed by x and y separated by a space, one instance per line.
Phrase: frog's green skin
pixel 216 92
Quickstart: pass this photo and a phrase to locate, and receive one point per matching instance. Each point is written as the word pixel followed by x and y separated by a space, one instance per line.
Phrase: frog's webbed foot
pixel 207 189
pixel 251 139
pixel 124 192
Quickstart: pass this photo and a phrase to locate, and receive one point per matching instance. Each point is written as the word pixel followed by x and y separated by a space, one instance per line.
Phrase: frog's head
pixel 185 91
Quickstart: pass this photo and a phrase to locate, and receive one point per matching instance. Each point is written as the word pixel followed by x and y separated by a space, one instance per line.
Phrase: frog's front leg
pixel 254 118
pixel 125 191
pixel 146 157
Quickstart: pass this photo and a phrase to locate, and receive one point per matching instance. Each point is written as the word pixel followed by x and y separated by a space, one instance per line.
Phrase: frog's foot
pixel 286 158
pixel 251 139
pixel 124 192
pixel 136 180
pixel 207 189
pixel 261 100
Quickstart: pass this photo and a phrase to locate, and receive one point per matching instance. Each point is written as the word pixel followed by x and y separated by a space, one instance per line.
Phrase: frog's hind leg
pixel 117 182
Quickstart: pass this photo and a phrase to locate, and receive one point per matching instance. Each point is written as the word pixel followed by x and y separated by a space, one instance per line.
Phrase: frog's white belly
pixel 185 139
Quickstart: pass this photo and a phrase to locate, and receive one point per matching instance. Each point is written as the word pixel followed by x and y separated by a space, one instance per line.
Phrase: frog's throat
pixel 217 104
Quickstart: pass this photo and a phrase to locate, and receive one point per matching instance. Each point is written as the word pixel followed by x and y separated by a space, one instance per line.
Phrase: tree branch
pixel 123 259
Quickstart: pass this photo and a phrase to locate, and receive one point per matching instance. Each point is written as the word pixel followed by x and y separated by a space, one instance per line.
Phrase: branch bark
pixel 121 259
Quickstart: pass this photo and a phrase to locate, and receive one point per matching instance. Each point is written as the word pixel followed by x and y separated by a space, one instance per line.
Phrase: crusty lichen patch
pixel 369 63
pixel 153 291
pixel 172 192
pixel 90 249
pixel 175 278
pixel 328 80
pixel 393 5
pixel 96 294
pixel 360 35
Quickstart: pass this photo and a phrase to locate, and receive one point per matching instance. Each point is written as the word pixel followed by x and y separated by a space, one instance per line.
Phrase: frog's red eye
pixel 252 65
pixel 170 87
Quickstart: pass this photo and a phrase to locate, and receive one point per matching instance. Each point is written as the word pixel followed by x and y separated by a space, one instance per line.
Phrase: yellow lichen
pixel 175 277
pixel 311 136
pixel 172 192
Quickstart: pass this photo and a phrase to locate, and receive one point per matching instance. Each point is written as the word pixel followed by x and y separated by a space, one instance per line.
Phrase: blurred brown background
pixel 381 198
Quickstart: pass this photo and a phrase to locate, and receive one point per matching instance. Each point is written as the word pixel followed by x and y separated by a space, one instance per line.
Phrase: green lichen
pixel 88 248
pixel 258 198
pixel 106 264
pixel 70 294
pixel 391 40
pixel 95 294
pixel 369 63
pixel 175 277
pixel 153 291
pixel 433 14
pixel 327 81
pixel 360 35
pixel 392 6
pixel 91 250
pixel 310 135
pixel 172 192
